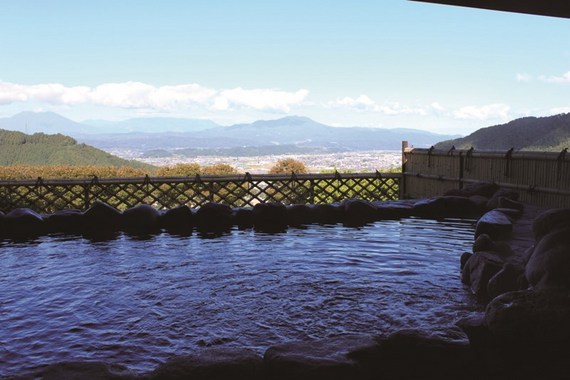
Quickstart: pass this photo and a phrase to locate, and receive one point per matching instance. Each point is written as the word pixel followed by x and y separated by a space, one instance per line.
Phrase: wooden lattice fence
pixel 168 192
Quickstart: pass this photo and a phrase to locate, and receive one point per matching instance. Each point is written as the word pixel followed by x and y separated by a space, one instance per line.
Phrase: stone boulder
pixel 358 212
pixel 22 223
pixel 179 220
pixel 327 359
pixel 243 218
pixel 299 215
pixel 3 231
pixel 445 207
pixel 270 217
pixel 101 218
pixel 141 219
pixel 327 213
pixel 478 270
pixel 509 203
pixel 414 354
pixel 386 210
pixel 85 371
pixel 499 357
pixel 549 264
pixel 67 221
pixel 506 280
pixel 530 316
pixel 495 224
pixel 214 217
pixel 485 189
pixel 502 193
pixel 216 363
pixel 485 243
pixel 550 220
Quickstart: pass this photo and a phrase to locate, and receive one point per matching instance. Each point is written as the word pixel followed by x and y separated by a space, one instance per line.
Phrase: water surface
pixel 137 302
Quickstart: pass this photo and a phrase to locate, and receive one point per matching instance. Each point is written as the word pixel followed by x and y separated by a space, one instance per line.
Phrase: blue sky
pixel 388 63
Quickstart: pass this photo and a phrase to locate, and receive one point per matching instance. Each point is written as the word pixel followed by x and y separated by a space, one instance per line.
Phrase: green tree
pixel 288 166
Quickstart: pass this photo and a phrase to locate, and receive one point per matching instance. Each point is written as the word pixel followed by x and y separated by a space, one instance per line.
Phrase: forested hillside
pixel 42 149
pixel 550 133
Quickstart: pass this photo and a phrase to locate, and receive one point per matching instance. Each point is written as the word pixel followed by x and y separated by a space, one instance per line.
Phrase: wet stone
pixel 65 221
pixel 179 220
pixel 214 217
pixel 495 224
pixel 23 223
pixel 141 219
pixel 327 359
pixel 358 212
pixel 85 371
pixel 270 217
pixel 217 363
pixel 299 215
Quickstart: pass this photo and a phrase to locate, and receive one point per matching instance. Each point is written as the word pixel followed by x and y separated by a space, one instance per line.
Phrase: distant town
pixel 362 161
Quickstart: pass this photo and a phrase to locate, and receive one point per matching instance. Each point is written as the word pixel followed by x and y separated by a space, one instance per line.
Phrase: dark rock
pixel 23 223
pixel 413 354
pixel 445 207
pixel 501 193
pixel 485 189
pixel 479 201
pixel 550 220
pixel 270 217
pixel 214 217
pixel 327 213
pixel 101 217
pixel 465 256
pixel 328 359
pixel 504 202
pixel 500 358
pixel 358 212
pixel 549 264
pixel 506 280
pixel 243 218
pixel 485 243
pixel 510 212
pixel 495 224
pixel 65 221
pixel 218 363
pixel 530 316
pixel 478 270
pixel 179 220
pixel 3 231
pixel 299 215
pixel 141 219
pixel 392 210
pixel 85 371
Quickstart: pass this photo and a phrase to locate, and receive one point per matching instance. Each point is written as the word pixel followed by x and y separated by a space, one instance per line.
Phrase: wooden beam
pixel 554 8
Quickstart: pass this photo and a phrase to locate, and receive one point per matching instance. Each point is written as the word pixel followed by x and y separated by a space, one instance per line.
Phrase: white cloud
pixel 486 112
pixel 523 77
pixel 259 99
pixel 563 79
pixel 365 103
pixel 140 95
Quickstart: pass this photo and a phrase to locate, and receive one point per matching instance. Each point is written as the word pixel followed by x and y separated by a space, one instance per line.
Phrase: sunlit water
pixel 137 302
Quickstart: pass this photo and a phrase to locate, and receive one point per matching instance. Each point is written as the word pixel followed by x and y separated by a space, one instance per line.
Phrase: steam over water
pixel 138 302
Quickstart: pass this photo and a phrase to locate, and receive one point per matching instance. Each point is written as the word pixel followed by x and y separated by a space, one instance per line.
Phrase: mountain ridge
pixel 299 131
pixel 548 133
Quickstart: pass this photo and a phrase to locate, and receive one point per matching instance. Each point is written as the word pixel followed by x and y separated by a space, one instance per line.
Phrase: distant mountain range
pixel 293 134
pixel 18 148
pixel 550 133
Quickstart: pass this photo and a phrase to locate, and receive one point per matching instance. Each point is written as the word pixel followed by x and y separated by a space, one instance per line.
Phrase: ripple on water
pixel 137 302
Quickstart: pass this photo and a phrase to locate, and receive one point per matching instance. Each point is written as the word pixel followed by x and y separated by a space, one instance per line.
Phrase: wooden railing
pixel 46 196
